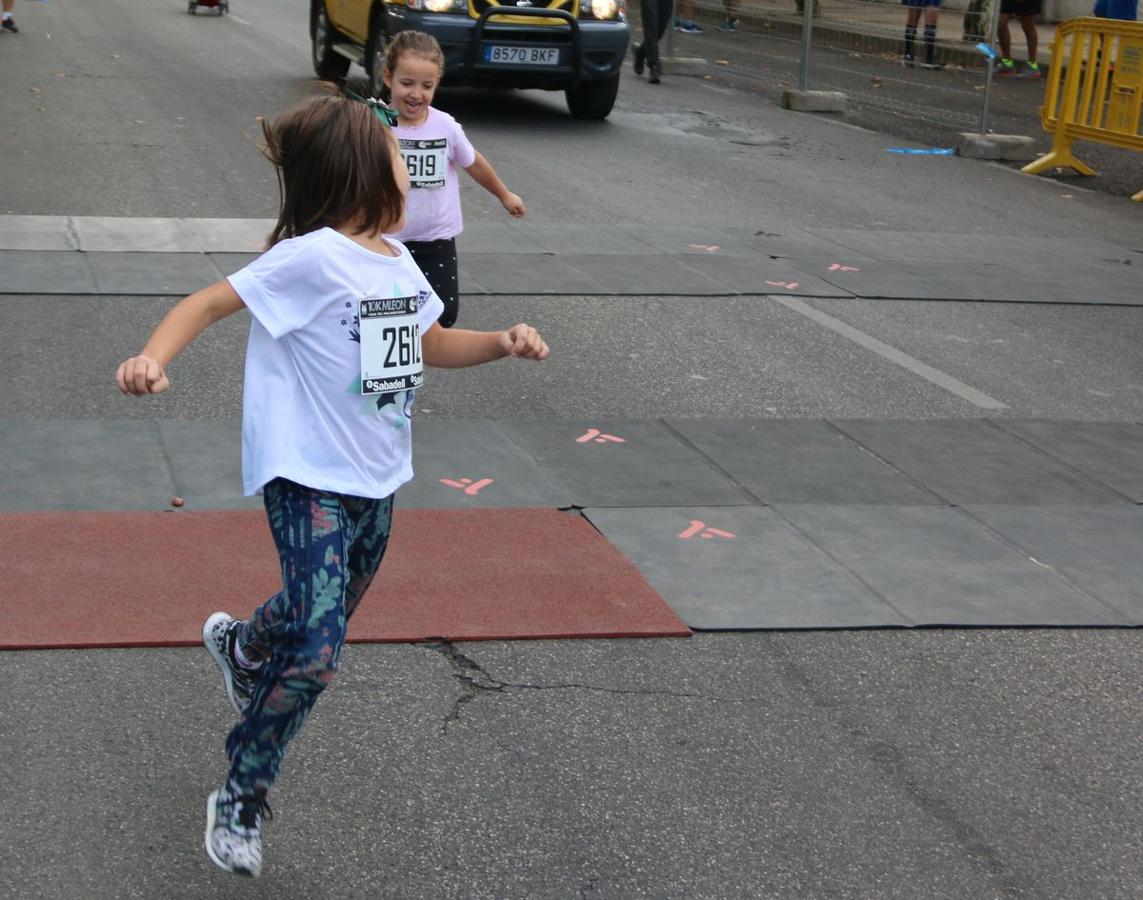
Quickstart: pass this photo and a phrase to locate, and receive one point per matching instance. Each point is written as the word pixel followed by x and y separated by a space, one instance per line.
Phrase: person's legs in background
pixel 685 20
pixel 1005 67
pixel 974 27
pixel 8 24
pixel 932 11
pixel 656 14
pixel 912 17
pixel 1032 38
pixel 730 23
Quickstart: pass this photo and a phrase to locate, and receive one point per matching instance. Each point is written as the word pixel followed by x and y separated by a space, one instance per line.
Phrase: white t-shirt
pixel 432 152
pixel 304 416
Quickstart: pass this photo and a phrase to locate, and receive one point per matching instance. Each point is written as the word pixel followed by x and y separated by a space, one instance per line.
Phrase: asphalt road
pixel 137 111
pixel 943 763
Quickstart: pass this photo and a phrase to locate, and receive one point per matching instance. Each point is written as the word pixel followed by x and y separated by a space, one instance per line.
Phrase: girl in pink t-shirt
pixel 433 145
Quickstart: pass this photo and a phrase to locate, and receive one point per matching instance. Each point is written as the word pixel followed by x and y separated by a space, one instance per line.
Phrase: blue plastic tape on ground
pixel 923 151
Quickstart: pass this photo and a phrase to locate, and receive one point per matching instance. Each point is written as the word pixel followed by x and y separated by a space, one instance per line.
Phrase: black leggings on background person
pixel 657 15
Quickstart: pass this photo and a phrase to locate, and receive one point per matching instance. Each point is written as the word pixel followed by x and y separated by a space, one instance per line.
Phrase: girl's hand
pixel 141 375
pixel 514 205
pixel 524 341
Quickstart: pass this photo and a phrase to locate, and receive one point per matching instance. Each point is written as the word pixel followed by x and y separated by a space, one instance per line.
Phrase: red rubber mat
pixel 112 579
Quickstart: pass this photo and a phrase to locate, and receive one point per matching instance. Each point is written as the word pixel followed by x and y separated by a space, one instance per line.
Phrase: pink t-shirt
pixel 433 150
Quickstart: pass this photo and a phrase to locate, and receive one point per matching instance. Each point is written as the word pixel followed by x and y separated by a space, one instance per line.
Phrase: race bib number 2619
pixel 390 345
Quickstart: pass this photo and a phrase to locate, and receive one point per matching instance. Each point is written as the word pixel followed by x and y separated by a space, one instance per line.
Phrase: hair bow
pixel 385 114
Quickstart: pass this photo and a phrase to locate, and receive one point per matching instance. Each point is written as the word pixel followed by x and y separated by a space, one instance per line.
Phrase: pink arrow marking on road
pixel 790 285
pixel 838 267
pixel 470 487
pixel 594 434
pixel 700 528
pixel 709 248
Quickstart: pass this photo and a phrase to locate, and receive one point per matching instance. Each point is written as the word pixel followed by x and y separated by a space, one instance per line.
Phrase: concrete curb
pixel 685 65
pixel 814 101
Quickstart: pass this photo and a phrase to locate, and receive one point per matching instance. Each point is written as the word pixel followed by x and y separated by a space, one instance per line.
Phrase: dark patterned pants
pixel 437 259
pixel 330 546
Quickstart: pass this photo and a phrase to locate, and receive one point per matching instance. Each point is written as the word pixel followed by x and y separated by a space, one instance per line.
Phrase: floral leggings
pixel 330 546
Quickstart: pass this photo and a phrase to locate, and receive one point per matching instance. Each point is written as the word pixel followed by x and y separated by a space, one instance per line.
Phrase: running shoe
pixel 729 24
pixel 218 636
pixel 1005 68
pixel 689 27
pixel 1031 70
pixel 9 25
pixel 234 831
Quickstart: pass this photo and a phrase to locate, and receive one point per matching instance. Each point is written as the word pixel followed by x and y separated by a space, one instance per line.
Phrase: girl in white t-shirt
pixel 434 144
pixel 342 322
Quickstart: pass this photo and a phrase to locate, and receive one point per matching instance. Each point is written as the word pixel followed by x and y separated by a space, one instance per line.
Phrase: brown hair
pixel 334 161
pixel 414 42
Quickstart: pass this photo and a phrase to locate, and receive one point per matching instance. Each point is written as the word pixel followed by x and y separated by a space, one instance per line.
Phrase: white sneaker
pixel 218 636
pixel 234 831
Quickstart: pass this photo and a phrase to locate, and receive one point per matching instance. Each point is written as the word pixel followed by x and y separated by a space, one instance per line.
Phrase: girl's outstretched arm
pixel 145 373
pixel 455 348
pixel 483 174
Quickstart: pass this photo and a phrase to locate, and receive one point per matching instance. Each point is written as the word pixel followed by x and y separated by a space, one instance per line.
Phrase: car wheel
pixel 328 63
pixel 593 99
pixel 375 57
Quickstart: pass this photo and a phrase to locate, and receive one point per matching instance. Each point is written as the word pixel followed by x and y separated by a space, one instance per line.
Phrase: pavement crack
pixel 475 681
pixel 73 234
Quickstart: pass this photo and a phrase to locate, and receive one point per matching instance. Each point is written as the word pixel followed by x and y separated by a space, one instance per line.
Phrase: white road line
pixel 904 360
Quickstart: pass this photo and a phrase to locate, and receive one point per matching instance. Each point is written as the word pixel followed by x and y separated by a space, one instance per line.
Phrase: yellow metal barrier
pixel 1094 90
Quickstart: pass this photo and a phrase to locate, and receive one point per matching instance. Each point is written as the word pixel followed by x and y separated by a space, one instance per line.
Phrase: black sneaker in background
pixel 9 25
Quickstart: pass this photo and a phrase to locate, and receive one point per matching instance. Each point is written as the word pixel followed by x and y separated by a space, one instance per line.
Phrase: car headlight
pixel 601 9
pixel 438 6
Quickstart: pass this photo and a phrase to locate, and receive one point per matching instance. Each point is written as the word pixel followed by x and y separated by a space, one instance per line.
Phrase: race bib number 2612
pixel 390 345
